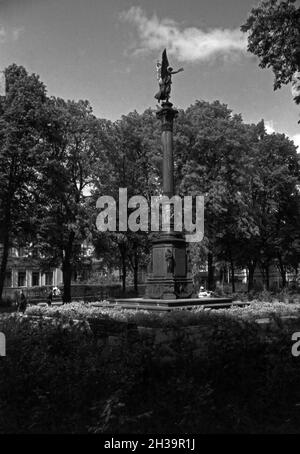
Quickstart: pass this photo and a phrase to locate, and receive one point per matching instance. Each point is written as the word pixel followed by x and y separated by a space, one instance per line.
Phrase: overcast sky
pixel 105 51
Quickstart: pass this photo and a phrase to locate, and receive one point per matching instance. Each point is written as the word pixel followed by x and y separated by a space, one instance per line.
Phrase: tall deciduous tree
pixel 71 153
pixel 20 126
pixel 249 180
pixel 215 166
pixel 273 201
pixel 132 161
pixel 269 198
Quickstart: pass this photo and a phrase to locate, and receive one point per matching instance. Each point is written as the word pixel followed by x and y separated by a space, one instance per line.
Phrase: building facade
pixel 24 271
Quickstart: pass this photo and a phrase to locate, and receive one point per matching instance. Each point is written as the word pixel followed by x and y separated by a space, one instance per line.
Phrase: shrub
pixel 174 319
pixel 58 377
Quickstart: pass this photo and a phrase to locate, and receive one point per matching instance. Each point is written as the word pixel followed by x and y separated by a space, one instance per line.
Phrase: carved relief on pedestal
pixel 170 261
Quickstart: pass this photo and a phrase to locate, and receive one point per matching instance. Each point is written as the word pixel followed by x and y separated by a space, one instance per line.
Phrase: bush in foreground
pixel 178 318
pixel 59 378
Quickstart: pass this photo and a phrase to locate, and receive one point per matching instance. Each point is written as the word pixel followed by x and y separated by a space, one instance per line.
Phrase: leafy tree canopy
pixel 274 37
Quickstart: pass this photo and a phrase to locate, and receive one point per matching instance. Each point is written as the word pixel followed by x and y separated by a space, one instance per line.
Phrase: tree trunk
pixel 211 272
pixel 222 277
pixel 7 226
pixel 5 245
pixel 67 278
pixel 232 276
pixel 135 271
pixel 4 259
pixel 266 276
pixel 122 249
pixel 67 269
pixel 282 271
pixel 251 269
pixel 124 272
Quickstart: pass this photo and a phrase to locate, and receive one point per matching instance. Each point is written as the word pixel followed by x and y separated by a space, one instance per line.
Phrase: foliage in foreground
pixel 59 378
pixel 82 311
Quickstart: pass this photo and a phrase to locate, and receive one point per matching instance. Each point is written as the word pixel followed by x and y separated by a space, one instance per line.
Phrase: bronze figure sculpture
pixel 164 76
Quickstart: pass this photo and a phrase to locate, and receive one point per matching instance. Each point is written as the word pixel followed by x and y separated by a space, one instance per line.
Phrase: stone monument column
pixel 167 114
pixel 169 276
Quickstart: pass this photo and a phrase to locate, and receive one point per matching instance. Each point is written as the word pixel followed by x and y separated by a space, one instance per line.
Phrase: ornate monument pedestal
pixel 169 276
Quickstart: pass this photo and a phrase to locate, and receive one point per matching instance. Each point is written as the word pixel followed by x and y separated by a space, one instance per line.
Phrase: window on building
pixel 49 278
pixel 35 278
pixel 21 252
pixel 13 252
pixel 8 279
pixel 21 279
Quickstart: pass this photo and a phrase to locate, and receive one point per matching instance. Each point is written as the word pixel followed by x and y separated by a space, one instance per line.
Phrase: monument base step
pixel 173 304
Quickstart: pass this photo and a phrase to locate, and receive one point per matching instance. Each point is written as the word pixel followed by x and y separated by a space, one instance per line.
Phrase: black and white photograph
pixel 149 220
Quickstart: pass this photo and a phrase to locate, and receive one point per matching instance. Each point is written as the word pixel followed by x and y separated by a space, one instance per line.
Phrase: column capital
pixel 167 114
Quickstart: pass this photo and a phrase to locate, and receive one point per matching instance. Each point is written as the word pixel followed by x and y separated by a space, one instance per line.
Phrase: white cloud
pixel 187 44
pixel 16 32
pixel 269 126
pixel 296 139
pixel 10 34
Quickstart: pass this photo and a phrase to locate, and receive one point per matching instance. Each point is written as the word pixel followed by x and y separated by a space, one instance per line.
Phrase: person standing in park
pixel 23 303
pixel 50 297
